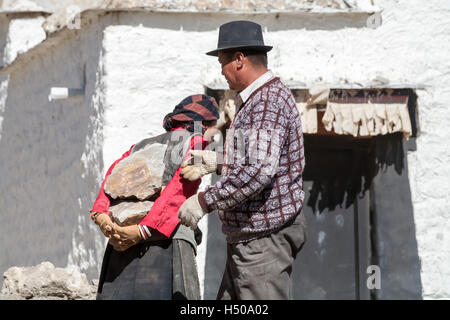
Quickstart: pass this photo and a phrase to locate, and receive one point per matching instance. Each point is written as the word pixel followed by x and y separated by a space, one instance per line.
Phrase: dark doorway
pixel 337 180
pixel 359 213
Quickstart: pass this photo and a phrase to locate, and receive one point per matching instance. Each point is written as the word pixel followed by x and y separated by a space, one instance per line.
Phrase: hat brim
pixel 215 53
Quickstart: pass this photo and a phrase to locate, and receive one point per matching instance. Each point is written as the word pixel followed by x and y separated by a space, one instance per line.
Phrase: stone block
pixel 140 175
pixel 45 282
pixel 126 213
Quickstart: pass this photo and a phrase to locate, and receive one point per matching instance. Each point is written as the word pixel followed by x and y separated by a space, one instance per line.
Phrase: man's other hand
pixel 191 212
pixel 201 163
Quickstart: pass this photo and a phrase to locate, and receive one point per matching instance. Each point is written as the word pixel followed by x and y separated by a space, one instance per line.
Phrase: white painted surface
pixel 23 34
pixel 201 249
pixel 150 69
pixel 145 79
pixel 20 5
pixel 3 95
pixel 150 62
pixel 88 243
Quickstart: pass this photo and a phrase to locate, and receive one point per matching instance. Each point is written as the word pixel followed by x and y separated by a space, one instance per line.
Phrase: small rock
pixel 127 213
pixel 44 281
pixel 140 175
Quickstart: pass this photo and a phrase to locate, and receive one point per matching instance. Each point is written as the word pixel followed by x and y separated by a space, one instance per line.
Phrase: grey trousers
pixel 261 269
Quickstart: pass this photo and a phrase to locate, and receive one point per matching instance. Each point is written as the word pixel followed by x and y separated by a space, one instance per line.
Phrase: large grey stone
pixel 140 175
pixel 44 281
pixel 127 213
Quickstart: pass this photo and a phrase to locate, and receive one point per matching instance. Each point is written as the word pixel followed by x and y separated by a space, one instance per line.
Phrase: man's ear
pixel 239 58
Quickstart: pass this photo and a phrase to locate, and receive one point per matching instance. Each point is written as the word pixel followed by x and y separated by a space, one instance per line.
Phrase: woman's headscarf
pixel 197 107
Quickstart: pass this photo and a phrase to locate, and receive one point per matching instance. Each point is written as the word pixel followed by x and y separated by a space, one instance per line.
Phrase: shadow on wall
pixel 45 189
pixel 340 184
pixel 216 254
pixel 394 240
pixel 4 28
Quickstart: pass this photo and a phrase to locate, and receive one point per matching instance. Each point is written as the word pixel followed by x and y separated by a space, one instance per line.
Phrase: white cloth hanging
pixel 309 117
pixel 318 94
pixel 367 119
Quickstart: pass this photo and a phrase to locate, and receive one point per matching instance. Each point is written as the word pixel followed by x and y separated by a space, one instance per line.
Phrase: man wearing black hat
pixel 260 194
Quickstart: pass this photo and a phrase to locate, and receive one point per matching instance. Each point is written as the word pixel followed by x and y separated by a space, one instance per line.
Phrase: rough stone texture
pixel 44 281
pixel 139 175
pixel 127 213
pixel 253 5
pixel 247 5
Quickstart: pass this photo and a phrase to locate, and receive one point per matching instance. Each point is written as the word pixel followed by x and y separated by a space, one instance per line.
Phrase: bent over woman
pixel 155 259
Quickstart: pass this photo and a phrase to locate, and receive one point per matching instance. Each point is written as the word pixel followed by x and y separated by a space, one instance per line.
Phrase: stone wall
pixel 50 155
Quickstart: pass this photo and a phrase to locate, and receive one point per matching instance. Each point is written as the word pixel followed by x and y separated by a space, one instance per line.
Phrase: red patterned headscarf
pixel 197 107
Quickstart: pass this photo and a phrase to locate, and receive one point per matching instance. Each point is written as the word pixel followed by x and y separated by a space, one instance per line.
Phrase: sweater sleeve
pixel 163 216
pixel 247 175
pixel 102 202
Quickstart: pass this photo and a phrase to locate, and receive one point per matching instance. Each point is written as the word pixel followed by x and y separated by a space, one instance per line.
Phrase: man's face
pixel 229 70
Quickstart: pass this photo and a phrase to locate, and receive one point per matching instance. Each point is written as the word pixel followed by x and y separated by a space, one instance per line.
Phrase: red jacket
pixel 163 216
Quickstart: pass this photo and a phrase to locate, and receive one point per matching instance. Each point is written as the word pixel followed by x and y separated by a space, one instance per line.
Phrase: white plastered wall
pixel 152 62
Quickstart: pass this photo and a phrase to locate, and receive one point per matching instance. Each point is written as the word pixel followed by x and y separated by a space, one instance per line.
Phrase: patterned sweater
pixel 261 187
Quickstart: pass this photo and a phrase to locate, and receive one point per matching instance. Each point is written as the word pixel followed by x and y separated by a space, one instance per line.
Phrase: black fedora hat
pixel 240 34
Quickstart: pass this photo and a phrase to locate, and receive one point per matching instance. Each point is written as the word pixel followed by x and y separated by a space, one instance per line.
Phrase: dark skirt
pixel 150 270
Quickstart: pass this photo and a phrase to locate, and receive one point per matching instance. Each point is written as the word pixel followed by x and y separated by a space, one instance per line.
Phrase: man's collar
pixel 246 93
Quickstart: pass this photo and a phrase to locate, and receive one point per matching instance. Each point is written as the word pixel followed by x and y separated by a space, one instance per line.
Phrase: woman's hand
pixel 105 224
pixel 125 237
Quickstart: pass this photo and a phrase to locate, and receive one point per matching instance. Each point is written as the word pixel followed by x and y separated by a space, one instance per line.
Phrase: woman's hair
pixel 190 124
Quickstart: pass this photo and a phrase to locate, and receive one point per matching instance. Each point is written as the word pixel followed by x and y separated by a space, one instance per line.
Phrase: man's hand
pixel 105 223
pixel 222 121
pixel 226 114
pixel 191 212
pixel 201 163
pixel 125 237
pixel 230 111
pixel 212 134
